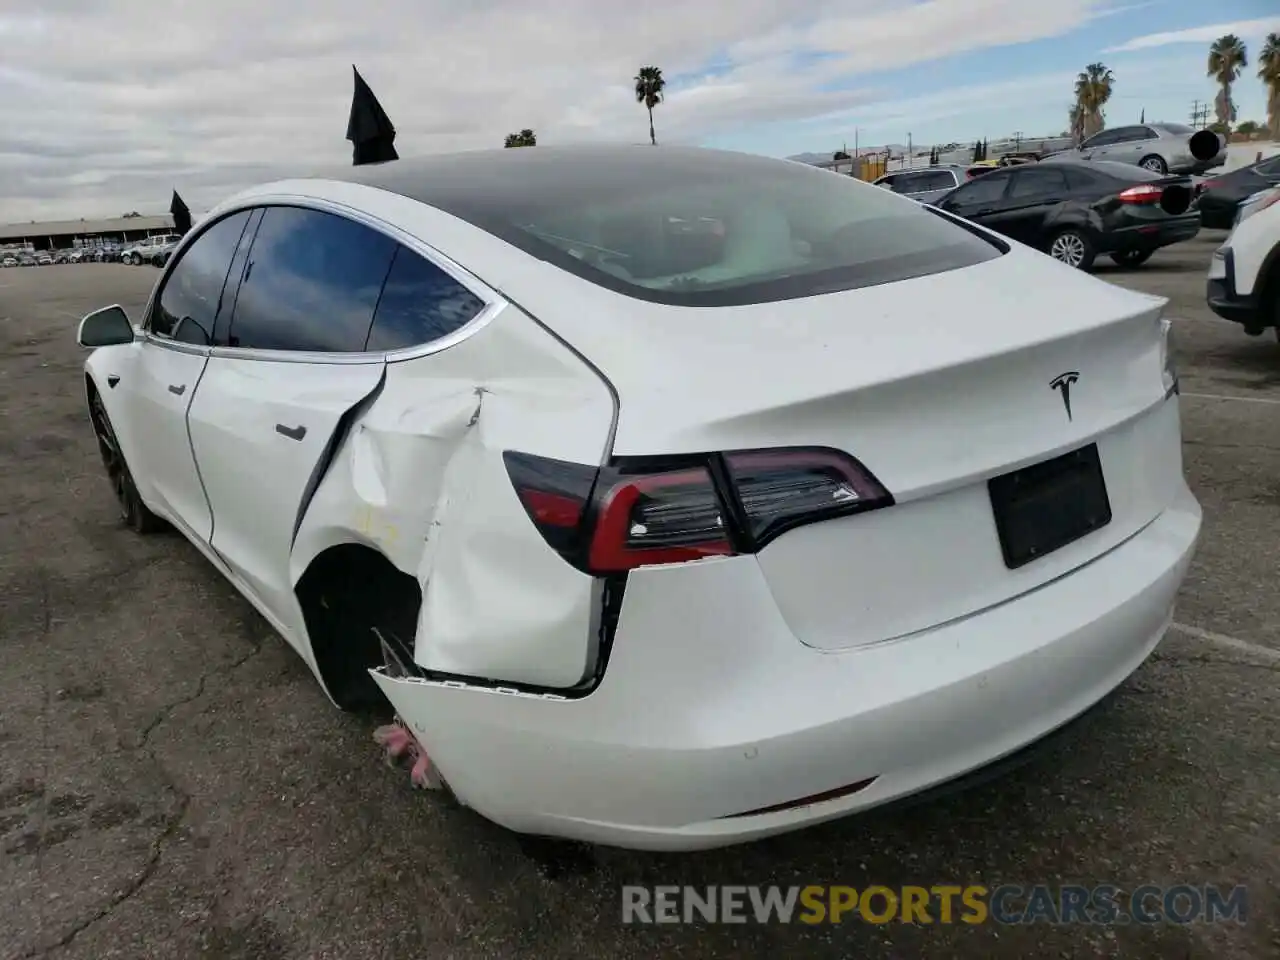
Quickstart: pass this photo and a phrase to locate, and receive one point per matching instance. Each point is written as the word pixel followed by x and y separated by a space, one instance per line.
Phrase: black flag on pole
pixel 369 129
pixel 181 215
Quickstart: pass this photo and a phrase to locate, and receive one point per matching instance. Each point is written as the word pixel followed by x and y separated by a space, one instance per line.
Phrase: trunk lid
pixel 937 385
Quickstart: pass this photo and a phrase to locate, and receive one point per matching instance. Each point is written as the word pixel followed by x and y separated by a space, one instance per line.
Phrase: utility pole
pixel 1017 140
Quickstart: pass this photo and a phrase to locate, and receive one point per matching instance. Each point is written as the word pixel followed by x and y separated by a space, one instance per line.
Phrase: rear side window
pixel 311 283
pixel 1038 182
pixel 189 300
pixel 1125 171
pixel 420 303
pixel 1078 179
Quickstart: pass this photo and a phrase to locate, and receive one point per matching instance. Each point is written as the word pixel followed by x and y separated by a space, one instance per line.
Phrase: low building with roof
pixel 72 234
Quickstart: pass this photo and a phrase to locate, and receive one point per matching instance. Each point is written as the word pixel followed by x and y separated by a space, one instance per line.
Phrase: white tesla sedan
pixel 672 497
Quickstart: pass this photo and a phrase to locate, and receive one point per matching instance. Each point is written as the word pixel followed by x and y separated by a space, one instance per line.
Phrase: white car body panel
pixel 1251 242
pixel 734 683
pixel 154 430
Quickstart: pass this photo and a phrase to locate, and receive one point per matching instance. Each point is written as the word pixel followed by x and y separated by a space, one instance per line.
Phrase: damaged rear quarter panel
pixel 420 477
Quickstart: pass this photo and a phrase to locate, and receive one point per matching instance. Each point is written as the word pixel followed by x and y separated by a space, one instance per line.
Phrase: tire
pixel 1131 258
pixel 136 260
pixel 1155 164
pixel 1072 247
pixel 133 512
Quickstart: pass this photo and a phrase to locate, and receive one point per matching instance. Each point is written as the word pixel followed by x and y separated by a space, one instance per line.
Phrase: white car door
pixel 158 388
pixel 278 384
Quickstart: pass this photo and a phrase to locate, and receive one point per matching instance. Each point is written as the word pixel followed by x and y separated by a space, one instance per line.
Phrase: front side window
pixel 684 230
pixel 189 300
pixel 311 283
pixel 420 303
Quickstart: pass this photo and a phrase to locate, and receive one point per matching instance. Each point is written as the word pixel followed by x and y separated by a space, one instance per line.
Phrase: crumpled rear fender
pixel 420 478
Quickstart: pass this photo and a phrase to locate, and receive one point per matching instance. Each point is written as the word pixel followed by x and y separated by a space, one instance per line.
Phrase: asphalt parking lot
pixel 174 784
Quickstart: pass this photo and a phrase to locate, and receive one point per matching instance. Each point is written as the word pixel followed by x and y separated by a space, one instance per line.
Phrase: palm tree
pixel 525 138
pixel 1094 86
pixel 1226 59
pixel 649 87
pixel 1075 123
pixel 1269 73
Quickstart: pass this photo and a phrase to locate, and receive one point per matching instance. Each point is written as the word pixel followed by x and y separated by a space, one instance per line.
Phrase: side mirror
pixel 188 331
pixel 105 328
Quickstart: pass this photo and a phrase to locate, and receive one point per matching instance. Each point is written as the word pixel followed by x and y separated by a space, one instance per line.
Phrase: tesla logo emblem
pixel 1062 383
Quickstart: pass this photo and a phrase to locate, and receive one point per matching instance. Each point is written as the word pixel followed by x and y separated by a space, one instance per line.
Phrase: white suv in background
pixel 142 252
pixel 1244 275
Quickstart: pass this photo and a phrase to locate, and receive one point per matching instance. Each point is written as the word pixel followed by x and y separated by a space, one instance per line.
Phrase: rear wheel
pixel 1074 248
pixel 1131 258
pixel 1155 164
pixel 136 260
pixel 133 511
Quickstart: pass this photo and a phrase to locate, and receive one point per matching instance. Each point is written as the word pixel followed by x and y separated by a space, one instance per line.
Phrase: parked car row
pixel 153 250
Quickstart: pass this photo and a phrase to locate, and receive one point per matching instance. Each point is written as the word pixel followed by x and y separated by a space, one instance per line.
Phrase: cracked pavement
pixel 173 783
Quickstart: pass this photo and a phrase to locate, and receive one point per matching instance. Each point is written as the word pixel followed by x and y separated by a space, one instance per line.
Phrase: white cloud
pixel 1244 29
pixel 105 111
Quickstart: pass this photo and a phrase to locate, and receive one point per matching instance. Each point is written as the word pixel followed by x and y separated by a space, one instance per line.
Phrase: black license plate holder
pixel 1048 505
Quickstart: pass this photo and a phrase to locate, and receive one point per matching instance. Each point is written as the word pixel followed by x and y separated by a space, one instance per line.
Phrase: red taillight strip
pixel 608 552
pixel 1146 193
pixel 835 794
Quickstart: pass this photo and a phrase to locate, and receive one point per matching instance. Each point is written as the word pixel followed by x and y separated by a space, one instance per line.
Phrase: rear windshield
pixel 1176 128
pixel 704 228
pixel 1125 171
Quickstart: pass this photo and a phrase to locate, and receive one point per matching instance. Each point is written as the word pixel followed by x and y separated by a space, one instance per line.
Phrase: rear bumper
pixel 711 706
pixel 1223 301
pixel 1192 166
pixel 1221 296
pixel 1152 236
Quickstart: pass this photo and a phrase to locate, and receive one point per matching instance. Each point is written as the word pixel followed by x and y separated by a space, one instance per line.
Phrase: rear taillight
pixel 1145 193
pixel 635 513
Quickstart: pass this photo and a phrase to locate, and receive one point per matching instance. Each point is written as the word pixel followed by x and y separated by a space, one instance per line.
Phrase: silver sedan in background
pixel 1159 147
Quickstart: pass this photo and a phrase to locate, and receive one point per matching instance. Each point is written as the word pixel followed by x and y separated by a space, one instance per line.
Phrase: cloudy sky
pixel 110 104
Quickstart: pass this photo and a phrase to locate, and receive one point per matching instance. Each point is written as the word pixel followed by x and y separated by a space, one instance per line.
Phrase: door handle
pixel 983 212
pixel 177 389
pixel 293 433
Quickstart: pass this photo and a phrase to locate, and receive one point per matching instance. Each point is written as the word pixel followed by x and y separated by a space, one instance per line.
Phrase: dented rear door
pixel 420 477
